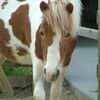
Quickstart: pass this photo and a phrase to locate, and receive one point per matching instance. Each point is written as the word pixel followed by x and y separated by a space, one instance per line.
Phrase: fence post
pixel 4 84
pixel 98 21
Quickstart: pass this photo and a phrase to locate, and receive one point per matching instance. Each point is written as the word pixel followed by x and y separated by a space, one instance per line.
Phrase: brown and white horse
pixel 43 34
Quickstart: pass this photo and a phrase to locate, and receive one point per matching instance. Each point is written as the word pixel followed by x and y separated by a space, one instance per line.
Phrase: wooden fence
pixel 7 83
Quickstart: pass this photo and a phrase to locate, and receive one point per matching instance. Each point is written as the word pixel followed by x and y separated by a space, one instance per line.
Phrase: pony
pixel 43 34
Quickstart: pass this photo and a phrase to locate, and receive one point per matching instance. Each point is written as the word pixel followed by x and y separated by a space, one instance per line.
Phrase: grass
pixel 15 71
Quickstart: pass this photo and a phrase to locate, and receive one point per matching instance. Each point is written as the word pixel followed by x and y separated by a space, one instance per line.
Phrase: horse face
pixel 56 46
pixel 56 52
pixel 51 52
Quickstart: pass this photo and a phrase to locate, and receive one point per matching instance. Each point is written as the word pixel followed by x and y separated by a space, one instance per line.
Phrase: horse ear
pixel 69 8
pixel 43 6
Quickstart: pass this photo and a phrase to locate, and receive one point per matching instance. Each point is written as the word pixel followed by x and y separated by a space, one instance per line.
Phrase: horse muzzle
pixel 51 76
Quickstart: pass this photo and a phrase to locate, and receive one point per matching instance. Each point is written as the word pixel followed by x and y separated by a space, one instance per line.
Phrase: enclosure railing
pixel 98 21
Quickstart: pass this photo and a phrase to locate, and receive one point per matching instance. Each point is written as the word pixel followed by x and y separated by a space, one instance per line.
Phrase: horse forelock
pixel 60 20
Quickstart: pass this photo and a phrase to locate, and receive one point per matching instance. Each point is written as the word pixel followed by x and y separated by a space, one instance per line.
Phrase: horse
pixel 41 33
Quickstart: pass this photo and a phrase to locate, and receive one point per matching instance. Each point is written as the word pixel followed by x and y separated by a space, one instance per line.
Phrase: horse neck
pixel 34 16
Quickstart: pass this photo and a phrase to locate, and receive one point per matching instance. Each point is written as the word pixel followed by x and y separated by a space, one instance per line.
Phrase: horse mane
pixel 60 20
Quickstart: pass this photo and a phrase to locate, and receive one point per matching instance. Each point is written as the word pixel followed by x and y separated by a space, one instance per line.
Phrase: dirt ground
pixel 26 94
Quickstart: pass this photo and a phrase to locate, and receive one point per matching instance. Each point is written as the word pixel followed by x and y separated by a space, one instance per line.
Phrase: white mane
pixel 60 20
pixel 76 16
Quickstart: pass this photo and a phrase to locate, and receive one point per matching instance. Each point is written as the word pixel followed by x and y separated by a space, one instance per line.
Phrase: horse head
pixel 55 37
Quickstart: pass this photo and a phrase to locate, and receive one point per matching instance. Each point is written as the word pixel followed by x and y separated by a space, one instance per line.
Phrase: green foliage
pixel 9 71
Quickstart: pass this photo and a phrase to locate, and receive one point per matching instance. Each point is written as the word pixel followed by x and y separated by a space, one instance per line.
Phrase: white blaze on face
pixel 53 56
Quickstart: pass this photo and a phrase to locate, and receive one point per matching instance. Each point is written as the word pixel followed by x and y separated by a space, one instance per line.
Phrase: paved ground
pixel 81 73
pixel 26 94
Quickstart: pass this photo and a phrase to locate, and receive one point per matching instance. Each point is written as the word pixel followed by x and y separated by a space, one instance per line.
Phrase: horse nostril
pixel 45 71
pixel 57 74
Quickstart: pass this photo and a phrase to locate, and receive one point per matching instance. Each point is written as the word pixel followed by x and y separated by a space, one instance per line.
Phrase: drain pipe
pixel 98 67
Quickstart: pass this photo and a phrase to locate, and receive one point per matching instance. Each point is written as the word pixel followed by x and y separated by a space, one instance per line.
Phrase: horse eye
pixel 67 35
pixel 42 33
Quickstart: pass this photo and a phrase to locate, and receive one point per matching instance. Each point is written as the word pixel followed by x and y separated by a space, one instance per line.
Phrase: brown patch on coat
pixel 38 48
pixel 21 51
pixel 43 41
pixel 66 49
pixel 4 4
pixel 21 0
pixel 21 24
pixel 4 38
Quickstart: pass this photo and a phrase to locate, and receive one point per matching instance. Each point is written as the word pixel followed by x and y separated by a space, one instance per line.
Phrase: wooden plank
pixel 4 84
pixel 88 32
pixel 11 64
pixel 20 81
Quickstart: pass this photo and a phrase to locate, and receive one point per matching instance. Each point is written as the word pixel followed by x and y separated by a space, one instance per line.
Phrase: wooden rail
pixel 88 32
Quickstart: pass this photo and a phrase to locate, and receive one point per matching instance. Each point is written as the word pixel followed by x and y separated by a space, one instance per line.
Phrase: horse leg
pixel 39 93
pixel 56 88
pixel 4 84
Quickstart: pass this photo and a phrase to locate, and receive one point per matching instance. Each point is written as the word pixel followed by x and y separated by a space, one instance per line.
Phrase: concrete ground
pixel 81 73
